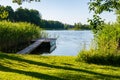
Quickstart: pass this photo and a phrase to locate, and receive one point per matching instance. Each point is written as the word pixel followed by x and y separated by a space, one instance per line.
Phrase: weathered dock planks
pixel 40 45
pixel 31 47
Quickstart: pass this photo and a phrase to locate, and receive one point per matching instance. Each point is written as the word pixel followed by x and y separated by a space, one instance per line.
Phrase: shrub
pixel 107 50
pixel 14 34
pixel 97 57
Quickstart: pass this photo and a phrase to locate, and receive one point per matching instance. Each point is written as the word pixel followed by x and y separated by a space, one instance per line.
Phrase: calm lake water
pixel 69 43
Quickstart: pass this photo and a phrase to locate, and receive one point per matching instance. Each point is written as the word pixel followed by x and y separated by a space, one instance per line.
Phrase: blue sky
pixel 66 11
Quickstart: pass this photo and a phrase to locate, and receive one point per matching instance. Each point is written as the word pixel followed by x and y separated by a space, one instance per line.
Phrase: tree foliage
pixel 21 1
pixel 20 15
pixel 31 16
pixel 26 15
pixel 99 6
pixel 96 23
pixel 50 24
pixel 80 26
pixel 3 13
pixel 10 11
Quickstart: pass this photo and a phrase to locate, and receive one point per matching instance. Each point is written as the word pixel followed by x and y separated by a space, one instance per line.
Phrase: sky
pixel 66 11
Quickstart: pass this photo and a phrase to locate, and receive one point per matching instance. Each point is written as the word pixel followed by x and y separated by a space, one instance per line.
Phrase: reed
pixel 107 50
pixel 14 34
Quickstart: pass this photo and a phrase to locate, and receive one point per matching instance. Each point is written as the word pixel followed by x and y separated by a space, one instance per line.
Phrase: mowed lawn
pixel 36 67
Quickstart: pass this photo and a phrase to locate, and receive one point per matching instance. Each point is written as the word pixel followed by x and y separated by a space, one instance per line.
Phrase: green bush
pixel 97 57
pixel 14 34
pixel 107 50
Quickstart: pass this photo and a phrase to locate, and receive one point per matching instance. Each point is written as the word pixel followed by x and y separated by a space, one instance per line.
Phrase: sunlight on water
pixel 70 42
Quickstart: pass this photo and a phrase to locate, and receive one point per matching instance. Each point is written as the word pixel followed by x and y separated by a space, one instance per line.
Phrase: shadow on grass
pixel 28 73
pixel 39 75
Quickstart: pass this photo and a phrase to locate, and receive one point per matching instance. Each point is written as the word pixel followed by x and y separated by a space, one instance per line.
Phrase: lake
pixel 70 42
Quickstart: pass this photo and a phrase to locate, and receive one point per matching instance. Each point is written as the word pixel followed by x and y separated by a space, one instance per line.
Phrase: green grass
pixel 36 67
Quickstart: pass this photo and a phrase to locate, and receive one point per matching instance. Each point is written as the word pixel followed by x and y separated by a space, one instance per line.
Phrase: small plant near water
pixel 107 50
pixel 15 35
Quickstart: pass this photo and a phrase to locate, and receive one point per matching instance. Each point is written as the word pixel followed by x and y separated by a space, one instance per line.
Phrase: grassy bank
pixel 35 67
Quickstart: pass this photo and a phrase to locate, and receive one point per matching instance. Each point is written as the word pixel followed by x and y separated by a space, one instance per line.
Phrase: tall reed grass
pixel 14 34
pixel 107 43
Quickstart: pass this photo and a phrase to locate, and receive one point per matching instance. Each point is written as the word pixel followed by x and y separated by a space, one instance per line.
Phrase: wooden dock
pixel 41 45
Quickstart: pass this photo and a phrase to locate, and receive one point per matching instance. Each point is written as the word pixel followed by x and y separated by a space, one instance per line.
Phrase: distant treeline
pixel 50 24
pixel 80 26
pixel 33 16
pixel 20 15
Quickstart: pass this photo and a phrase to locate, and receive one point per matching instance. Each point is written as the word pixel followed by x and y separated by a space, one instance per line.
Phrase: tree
pixel 99 6
pixel 21 1
pixel 80 26
pixel 22 15
pixel 6 13
pixel 77 26
pixel 55 25
pixel 96 23
pixel 35 16
pixel 26 15
pixel 10 12
pixel 3 13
